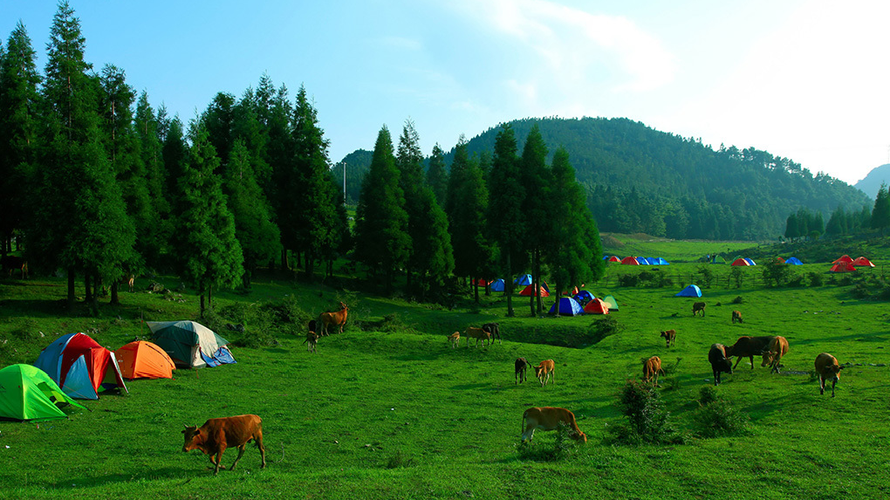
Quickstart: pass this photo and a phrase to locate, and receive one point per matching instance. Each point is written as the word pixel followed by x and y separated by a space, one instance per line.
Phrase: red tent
pixel 842 267
pixel 863 262
pixel 596 306
pixel 845 258
pixel 780 260
pixel 630 261
pixel 614 258
pixel 529 291
pixel 740 262
pixel 480 282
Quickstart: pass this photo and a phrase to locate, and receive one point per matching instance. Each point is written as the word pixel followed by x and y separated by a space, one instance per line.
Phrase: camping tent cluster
pixel 741 261
pixel 638 261
pixel 847 264
pixel 583 302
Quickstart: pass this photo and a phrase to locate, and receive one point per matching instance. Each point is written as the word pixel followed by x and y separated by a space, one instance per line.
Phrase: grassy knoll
pixel 642 245
pixel 387 410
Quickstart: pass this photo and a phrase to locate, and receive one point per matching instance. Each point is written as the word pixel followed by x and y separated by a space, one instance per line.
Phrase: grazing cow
pixel 131 281
pixel 337 318
pixel 748 347
pixel 454 338
pixel 736 316
pixel 520 366
pixel 13 263
pixel 669 336
pixel 545 370
pixel 217 434
pixel 828 369
pixel 719 362
pixel 477 333
pixel 698 307
pixel 651 369
pixel 773 353
pixel 495 330
pixel 312 340
pixel 549 418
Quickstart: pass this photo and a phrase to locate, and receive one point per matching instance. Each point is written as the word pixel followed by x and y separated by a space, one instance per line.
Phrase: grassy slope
pixel 641 245
pixel 447 421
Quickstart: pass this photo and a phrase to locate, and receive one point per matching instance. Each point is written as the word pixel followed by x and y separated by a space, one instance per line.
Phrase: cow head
pixel 343 307
pixel 580 436
pixel 193 437
pixel 767 358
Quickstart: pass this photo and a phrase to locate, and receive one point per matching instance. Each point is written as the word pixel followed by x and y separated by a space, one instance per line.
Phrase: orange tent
pixel 862 262
pixel 845 258
pixel 140 359
pixel 842 267
pixel 630 261
pixel 596 306
pixel 529 291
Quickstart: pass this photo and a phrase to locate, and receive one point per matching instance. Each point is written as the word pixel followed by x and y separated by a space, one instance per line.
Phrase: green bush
pixel 814 278
pixel 716 416
pixel 564 448
pixel 738 300
pixel 647 421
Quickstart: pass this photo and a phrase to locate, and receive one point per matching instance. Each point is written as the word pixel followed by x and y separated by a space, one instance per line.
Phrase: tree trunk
pixel 94 304
pixel 88 292
pixel 210 297
pixel 508 287
pixel 475 281
pixel 115 299
pixel 71 289
pixel 284 259
pixel 540 283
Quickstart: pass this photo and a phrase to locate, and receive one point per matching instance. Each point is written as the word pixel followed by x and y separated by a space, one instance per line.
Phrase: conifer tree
pixel 535 178
pixel 880 215
pixel 437 176
pixel 506 220
pixel 153 241
pixel 409 161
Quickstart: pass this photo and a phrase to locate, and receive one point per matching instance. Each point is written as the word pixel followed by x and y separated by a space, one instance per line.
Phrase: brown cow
pixel 495 330
pixel 773 353
pixel 651 368
pixel 312 340
pixel 748 347
pixel 337 318
pixel 736 316
pixel 454 338
pixel 719 362
pixel 217 434
pixel 13 263
pixel 544 370
pixel 828 369
pixel 669 336
pixel 131 282
pixel 519 370
pixel 478 334
pixel 698 307
pixel 549 418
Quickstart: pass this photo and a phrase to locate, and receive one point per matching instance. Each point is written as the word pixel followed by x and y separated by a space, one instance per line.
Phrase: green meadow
pixel 389 410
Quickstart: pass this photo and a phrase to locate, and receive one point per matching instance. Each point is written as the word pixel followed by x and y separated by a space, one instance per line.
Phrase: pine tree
pixel 535 177
pixel 409 161
pixel 506 220
pixel 437 176
pixel 432 254
pixel 837 223
pixel 791 227
pixel 880 215
pixel 153 240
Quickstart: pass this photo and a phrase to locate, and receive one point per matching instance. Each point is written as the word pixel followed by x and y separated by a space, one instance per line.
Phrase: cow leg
pixel 240 454
pixel 716 378
pixel 833 382
pixel 218 463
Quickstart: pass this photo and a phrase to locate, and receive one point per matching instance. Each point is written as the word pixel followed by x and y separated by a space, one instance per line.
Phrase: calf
pixel 748 347
pixel 454 338
pixel 719 362
pixel 827 368
pixel 549 418
pixel 494 329
pixel 651 368
pixel 698 307
pixel 544 370
pixel 217 434
pixel 312 341
pixel 519 370
pixel 669 336
pixel 773 353
pixel 478 334
pixel 737 316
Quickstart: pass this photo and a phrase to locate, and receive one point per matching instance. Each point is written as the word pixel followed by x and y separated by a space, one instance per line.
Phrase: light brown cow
pixel 217 434
pixel 737 316
pixel 651 369
pixel 669 336
pixel 544 370
pixel 477 333
pixel 454 338
pixel 131 282
pixel 549 418
pixel 698 307
pixel 773 353
pixel 828 369
pixel 336 318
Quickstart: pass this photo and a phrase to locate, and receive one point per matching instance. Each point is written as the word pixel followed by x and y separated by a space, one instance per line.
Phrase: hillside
pixel 872 182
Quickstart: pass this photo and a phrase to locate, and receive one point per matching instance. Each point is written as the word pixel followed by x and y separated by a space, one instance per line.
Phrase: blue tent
pixel 523 280
pixel 794 261
pixel 498 285
pixel 690 291
pixel 605 257
pixel 567 307
pixel 583 297
pixel 750 262
pixel 662 262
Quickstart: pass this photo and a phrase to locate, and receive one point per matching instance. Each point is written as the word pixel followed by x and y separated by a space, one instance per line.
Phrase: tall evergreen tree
pixel 381 223
pixel 437 176
pixel 219 119
pixel 837 223
pixel 880 215
pixel 153 241
pixel 535 177
pixel 792 228
pixel 409 161
pixel 506 219
pixel 432 254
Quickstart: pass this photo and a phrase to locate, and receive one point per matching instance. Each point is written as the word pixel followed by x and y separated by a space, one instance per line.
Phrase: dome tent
pixel 793 261
pixel 28 393
pixel 862 262
pixel 596 306
pixel 566 306
pixel 689 291
pixel 80 366
pixel 190 344
pixel 141 359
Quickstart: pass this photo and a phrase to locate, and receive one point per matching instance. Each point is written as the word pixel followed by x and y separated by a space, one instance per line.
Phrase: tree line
pixel 806 224
pixel 97 183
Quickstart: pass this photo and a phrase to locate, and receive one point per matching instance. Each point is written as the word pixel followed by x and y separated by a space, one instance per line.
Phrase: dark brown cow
pixel 494 329
pixel 312 340
pixel 651 369
pixel 13 263
pixel 748 347
pixel 548 418
pixel 217 434
pixel 544 370
pixel 698 307
pixel 773 353
pixel 828 369
pixel 669 336
pixel 736 316
pixel 336 318
pixel 719 362
pixel 519 370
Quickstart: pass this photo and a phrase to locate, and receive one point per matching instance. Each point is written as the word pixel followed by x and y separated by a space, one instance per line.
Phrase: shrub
pixel 776 273
pixel 629 280
pixel 604 327
pixel 647 421
pixel 737 276
pixel 706 273
pixel 814 278
pixel 563 448
pixel 716 416
pixel 738 300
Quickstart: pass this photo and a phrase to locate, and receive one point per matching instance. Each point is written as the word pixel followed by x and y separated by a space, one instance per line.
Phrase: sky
pixel 801 79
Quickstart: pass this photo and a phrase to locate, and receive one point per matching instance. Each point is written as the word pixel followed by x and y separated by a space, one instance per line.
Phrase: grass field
pixel 642 245
pixel 388 410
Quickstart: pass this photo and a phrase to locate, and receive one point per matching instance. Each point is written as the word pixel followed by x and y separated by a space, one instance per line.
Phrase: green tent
pixel 28 393
pixel 190 344
pixel 718 260
pixel 613 304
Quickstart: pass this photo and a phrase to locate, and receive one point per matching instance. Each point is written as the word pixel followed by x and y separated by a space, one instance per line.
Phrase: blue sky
pixel 807 80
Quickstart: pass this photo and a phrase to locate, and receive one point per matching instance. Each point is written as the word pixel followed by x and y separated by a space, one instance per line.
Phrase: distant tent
pixel 566 306
pixel 689 291
pixel 141 359
pixel 498 285
pixel 718 260
pixel 480 282
pixel 750 262
pixel 842 267
pixel 740 262
pixel 523 280
pixel 780 260
pixel 529 291
pixel 793 261
pixel 845 258
pixel 614 258
pixel 583 297
pixel 613 304
pixel 190 344
pixel 643 261
pixel 605 257
pixel 630 261
pixel 28 393
pixel 862 262
pixel 80 366
pixel 596 306
pixel 662 262
pixel 575 291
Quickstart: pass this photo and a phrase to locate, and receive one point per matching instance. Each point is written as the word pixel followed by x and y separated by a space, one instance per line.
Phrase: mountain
pixel 874 179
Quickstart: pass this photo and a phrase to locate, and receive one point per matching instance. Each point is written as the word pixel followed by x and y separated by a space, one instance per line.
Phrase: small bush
pixel 564 447
pixel 814 278
pixel 629 280
pixel 716 416
pixel 707 395
pixel 738 300
pixel 647 421
pixel 399 460
pixel 604 327
pixel 706 273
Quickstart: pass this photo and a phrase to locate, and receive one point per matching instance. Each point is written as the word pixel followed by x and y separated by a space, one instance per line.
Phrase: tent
pixel 845 258
pixel 523 280
pixel 80 366
pixel 583 297
pixel 480 282
pixel 566 306
pixel 28 393
pixel 613 304
pixel 689 291
pixel 498 285
pixel 643 261
pixel 793 261
pixel 750 262
pixel 740 262
pixel 842 267
pixel 141 359
pixel 596 306
pixel 662 262
pixel 529 290
pixel 862 262
pixel 614 258
pixel 780 260
pixel 630 261
pixel 718 260
pixel 190 344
